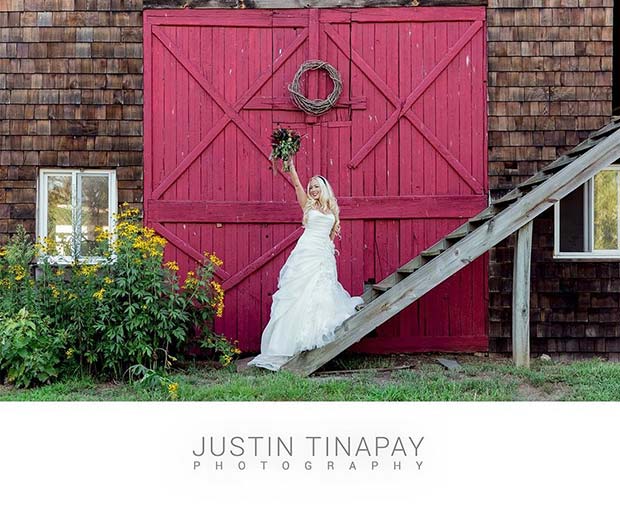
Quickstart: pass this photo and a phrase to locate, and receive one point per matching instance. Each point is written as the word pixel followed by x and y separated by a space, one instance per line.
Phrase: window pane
pixel 95 210
pixel 59 222
pixel 571 222
pixel 606 210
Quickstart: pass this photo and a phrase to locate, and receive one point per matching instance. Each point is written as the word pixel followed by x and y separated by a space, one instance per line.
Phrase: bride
pixel 310 302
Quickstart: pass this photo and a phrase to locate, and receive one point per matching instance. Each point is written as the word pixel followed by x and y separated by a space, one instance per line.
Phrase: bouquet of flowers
pixel 284 143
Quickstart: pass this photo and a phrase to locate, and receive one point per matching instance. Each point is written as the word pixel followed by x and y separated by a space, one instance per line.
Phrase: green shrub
pixel 128 310
pixel 142 317
pixel 30 351
pixel 16 281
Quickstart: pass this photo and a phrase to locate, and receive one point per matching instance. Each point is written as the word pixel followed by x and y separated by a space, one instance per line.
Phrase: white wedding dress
pixel 310 302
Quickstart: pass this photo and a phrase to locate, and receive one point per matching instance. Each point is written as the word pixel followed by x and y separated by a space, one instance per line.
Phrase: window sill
pixel 68 261
pixel 586 257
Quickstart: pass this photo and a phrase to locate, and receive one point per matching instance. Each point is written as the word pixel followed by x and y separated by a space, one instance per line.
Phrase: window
pixel 71 203
pixel 587 221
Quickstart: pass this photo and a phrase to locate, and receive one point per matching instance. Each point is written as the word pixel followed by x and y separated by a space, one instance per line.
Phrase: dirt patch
pixel 552 392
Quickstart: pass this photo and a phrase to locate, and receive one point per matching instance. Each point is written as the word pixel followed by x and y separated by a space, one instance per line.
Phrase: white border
pixel 480 454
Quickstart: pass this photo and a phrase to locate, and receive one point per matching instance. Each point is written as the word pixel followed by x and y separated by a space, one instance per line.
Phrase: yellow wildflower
pixel 99 294
pixel 69 352
pixel 46 246
pixel 218 302
pixel 173 390
pixel 172 265
pixel 213 258
pixel 87 270
pixel 19 272
pixel 55 291
pixel 107 280
pixel 127 211
pixel 2 252
pixel 190 280
pixel 102 235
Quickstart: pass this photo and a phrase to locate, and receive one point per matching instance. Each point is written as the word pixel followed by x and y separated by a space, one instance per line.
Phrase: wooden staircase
pixel 466 243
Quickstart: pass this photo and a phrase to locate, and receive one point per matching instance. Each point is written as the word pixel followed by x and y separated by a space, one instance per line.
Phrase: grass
pixel 479 379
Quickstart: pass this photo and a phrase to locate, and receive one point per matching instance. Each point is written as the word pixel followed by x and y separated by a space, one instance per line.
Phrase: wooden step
pixel 459 233
pixel 560 163
pixel 606 130
pixel 485 215
pixel 435 250
pixel 509 198
pixel 557 168
pixel 411 266
pixel 391 280
pixel 383 287
pixel 584 146
pixel 537 179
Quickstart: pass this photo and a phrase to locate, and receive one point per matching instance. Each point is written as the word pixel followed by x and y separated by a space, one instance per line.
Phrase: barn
pixel 447 106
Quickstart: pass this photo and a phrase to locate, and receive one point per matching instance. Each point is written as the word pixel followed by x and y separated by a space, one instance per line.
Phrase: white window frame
pixel 588 209
pixel 76 204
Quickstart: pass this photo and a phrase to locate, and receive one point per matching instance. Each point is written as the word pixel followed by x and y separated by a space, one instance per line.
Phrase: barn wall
pixel 549 86
pixel 70 96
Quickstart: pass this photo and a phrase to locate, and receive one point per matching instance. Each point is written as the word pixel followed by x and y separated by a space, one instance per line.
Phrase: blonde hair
pixel 327 202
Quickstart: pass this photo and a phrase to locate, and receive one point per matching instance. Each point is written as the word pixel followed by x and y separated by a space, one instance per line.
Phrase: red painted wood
pixel 286 104
pixel 424 15
pixel 404 149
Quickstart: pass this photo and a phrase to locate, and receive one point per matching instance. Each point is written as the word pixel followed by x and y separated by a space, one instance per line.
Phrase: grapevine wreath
pixel 316 106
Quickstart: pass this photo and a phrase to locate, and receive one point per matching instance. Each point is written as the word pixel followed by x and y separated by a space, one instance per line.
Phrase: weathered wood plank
pixel 521 296
pixel 351 208
pixel 418 15
pixel 265 258
pixel 461 254
pixel 149 105
pixel 269 103
pixel 301 4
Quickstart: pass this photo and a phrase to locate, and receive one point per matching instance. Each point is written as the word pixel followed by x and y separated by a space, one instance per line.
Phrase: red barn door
pixel 404 149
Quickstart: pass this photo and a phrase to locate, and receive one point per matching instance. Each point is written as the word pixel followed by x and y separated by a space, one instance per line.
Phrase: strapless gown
pixel 310 302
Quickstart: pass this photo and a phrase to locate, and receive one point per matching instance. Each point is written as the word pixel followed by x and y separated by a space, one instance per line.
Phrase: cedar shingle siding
pixel 550 66
pixel 71 96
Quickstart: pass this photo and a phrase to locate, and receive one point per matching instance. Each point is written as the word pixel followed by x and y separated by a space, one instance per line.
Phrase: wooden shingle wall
pixel 550 70
pixel 549 80
pixel 70 96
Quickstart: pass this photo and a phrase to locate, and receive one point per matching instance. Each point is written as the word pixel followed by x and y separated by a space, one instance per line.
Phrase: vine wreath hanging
pixel 316 106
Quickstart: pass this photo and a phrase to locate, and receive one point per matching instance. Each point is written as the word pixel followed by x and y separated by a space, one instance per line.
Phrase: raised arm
pixel 299 189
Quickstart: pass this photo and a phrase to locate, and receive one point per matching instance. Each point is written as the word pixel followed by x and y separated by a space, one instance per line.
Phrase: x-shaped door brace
pixel 232 114
pixel 403 106
pixel 231 111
